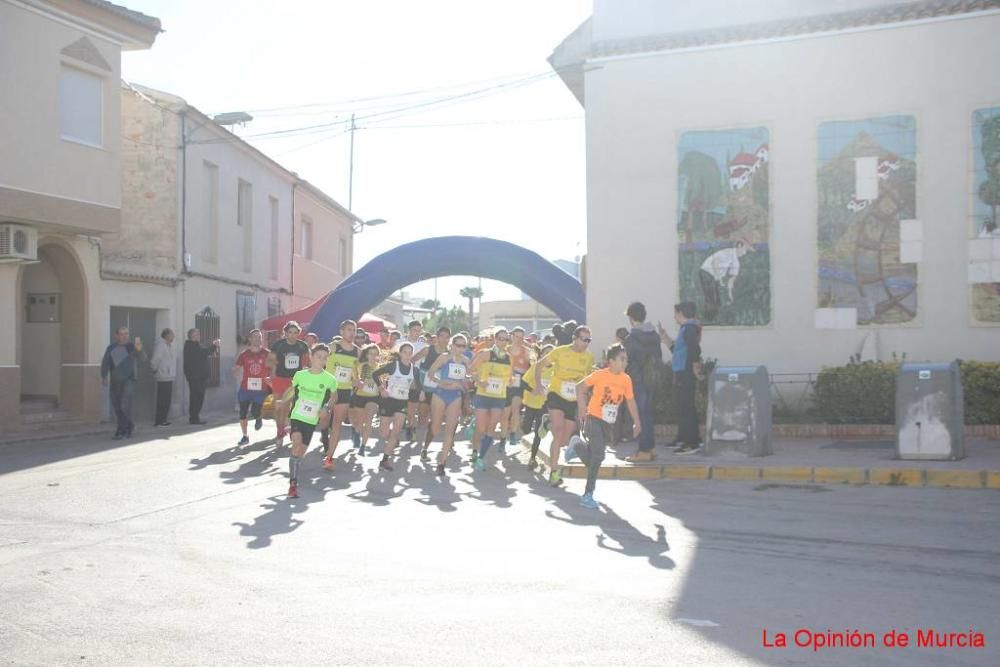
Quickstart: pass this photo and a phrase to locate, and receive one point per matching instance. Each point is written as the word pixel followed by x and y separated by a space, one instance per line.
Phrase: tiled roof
pixel 912 11
pixel 150 22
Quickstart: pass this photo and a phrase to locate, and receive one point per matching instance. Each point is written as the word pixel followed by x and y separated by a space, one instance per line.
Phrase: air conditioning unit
pixel 18 243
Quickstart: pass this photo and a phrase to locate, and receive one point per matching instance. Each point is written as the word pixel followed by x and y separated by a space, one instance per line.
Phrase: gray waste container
pixel 930 412
pixel 739 411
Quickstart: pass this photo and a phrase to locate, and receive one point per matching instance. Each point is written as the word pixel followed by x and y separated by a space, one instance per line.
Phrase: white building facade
pixel 821 179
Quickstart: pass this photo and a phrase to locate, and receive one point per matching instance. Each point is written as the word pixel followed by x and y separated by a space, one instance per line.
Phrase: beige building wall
pixel 329 261
pixel 526 313
pixel 638 105
pixel 66 190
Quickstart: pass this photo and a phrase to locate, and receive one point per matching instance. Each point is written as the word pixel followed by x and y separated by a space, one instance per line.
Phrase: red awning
pixel 303 316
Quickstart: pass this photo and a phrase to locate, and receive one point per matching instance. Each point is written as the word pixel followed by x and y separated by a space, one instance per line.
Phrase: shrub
pixel 981 386
pixel 864 392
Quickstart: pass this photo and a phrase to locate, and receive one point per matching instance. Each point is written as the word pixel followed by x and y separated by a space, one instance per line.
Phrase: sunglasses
pixel 460 345
pixel 585 340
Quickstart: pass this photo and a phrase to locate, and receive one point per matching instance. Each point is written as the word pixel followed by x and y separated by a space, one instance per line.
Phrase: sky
pixel 456 133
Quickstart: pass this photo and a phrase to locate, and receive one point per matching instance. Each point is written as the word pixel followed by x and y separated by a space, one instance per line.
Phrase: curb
pixel 912 477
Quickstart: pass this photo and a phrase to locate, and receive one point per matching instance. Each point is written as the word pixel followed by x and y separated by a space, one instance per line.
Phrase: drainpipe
pixel 291 254
pixel 183 283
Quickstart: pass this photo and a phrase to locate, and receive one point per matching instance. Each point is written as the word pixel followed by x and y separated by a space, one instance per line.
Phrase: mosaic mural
pixel 984 255
pixel 723 225
pixel 866 182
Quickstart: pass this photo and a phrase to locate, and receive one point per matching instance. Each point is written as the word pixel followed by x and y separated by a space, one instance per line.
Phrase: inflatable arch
pixel 450 256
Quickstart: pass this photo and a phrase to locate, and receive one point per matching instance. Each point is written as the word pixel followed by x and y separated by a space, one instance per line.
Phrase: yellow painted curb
pixel 839 475
pixel 735 472
pixel 896 476
pixel 787 474
pixel 993 480
pixel 686 472
pixel 965 479
pixel 640 472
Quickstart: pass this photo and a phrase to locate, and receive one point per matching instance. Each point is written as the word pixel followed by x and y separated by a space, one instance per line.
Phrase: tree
pixel 471 293
pixel 455 318
pixel 431 305
pixel 704 187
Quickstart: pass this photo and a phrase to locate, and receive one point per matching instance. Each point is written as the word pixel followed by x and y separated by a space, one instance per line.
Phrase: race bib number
pixel 307 410
pixel 370 388
pixel 568 391
pixel 609 412
pixel 255 384
pixel 515 380
pixel 291 362
pixel 546 385
pixel 494 385
pixel 456 372
pixel 343 375
pixel 399 389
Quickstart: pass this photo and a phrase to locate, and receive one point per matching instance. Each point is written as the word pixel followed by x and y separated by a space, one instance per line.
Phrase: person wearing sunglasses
pixel 571 363
pixel 448 372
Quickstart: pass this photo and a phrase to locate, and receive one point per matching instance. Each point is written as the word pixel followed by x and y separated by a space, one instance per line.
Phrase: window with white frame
pixel 306 245
pixel 81 106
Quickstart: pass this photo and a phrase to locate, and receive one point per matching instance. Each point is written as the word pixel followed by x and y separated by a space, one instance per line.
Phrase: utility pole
pixel 350 177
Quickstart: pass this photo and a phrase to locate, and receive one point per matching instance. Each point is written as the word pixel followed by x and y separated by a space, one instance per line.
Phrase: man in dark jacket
pixel 197 372
pixel 687 369
pixel 644 359
pixel 119 372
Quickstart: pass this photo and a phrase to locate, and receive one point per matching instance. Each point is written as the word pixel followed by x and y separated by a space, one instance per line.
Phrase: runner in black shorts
pixel 439 346
pixel 396 378
pixel 341 364
pixel 365 400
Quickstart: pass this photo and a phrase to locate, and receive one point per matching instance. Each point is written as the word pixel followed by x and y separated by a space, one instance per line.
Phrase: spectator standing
pixel 645 361
pixel 119 372
pixel 686 364
pixel 196 371
pixel 164 363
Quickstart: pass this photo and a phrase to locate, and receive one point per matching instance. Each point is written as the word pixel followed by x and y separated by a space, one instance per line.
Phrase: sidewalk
pixel 76 430
pixel 803 461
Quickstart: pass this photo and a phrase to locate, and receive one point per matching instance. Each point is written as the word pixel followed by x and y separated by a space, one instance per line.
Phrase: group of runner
pixel 502 382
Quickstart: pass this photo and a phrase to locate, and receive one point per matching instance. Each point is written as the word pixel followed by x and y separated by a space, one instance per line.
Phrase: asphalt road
pixel 184 550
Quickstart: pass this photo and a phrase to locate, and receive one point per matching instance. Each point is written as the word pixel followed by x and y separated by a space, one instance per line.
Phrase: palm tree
pixel 471 293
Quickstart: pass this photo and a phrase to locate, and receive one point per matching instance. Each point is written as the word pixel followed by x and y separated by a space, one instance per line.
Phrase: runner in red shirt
pixel 252 366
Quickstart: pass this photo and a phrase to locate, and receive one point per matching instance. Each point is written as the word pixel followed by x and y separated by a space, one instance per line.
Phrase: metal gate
pixel 210 326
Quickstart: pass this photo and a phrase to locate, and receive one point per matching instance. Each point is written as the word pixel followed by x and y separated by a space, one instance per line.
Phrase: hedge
pixel 864 392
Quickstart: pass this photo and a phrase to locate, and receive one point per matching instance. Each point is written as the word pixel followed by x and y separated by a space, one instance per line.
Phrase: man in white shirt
pixel 420 349
pixel 164 363
pixel 720 271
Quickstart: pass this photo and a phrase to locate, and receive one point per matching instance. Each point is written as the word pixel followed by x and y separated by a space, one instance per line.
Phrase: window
pixel 344 263
pixel 244 219
pixel 274 238
pixel 210 211
pixel 306 245
pixel 246 316
pixel 209 324
pixel 81 107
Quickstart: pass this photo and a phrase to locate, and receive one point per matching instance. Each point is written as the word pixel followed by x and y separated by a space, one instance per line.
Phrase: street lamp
pixel 359 225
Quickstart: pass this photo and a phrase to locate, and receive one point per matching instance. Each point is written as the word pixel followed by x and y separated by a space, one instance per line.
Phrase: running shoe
pixel 424 456
pixel 361 450
pixel 293 491
pixel 588 501
pixel 440 471
pixel 409 433
pixel 480 464
pixel 688 449
pixel 328 463
pixel 512 439
pixel 532 463
pixel 571 448
pixel 258 424
pixel 384 464
pixel 355 438
pixel 245 440
pixel 555 479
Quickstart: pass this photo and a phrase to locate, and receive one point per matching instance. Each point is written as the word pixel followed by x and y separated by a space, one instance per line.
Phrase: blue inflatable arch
pixel 450 256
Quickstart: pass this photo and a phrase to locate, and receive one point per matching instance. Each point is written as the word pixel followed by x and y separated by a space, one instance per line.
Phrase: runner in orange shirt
pixel 606 390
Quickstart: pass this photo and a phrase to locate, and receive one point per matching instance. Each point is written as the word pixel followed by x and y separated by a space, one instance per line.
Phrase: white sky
pixel 516 173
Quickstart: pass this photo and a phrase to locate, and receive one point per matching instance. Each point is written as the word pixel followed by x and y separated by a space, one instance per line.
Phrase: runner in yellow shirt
pixel 571 363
